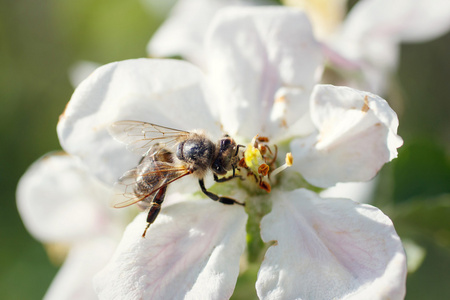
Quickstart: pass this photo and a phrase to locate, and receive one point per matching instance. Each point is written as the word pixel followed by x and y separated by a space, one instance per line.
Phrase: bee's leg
pixel 155 207
pixel 237 149
pixel 224 200
pixel 223 179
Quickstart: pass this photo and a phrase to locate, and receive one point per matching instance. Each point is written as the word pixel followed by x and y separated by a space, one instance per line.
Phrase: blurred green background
pixel 41 40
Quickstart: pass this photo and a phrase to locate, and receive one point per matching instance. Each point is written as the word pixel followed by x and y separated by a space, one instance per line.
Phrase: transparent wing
pixel 140 136
pixel 133 186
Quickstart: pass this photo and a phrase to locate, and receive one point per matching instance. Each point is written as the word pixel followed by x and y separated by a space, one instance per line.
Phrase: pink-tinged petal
pixel 404 20
pixel 60 202
pixel 340 60
pixel 165 92
pixel 192 251
pixel 376 58
pixel 329 249
pixel 356 135
pixel 74 279
pixel 256 57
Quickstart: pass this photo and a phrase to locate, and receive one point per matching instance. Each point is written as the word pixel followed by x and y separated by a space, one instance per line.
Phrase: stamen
pixel 265 186
pixel 259 161
pixel 289 161
pixel 262 149
pixel 263 169
pixel 242 163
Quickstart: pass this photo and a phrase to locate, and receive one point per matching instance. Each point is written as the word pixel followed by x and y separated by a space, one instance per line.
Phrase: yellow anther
pixel 289 161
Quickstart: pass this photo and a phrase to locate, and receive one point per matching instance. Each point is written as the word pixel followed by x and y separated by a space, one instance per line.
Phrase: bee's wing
pixel 140 136
pixel 126 193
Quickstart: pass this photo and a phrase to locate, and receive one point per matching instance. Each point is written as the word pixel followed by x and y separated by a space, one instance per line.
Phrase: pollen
pixel 263 170
pixel 365 107
pixel 259 161
pixel 289 161
pixel 253 158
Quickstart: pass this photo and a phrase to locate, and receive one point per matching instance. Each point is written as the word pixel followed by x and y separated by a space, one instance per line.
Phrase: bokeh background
pixel 41 40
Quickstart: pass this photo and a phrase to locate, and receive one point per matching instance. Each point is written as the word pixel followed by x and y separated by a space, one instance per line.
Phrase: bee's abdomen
pixel 149 172
pixel 146 181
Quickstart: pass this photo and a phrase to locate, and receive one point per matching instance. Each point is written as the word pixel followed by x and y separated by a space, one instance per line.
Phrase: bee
pixel 167 155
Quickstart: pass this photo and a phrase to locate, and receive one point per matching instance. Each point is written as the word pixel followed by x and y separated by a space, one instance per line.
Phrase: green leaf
pixel 421 169
pixel 430 281
pixel 427 218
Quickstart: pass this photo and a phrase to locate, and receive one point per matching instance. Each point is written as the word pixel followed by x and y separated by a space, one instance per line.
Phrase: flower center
pixel 259 162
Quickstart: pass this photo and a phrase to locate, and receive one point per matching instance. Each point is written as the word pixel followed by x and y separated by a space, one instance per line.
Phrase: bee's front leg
pixel 224 200
pixel 223 179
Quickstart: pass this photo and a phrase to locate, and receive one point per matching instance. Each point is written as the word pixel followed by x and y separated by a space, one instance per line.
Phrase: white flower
pixel 365 44
pixel 371 34
pixel 61 204
pixel 338 252
pixel 259 81
pixel 353 129
pixel 184 31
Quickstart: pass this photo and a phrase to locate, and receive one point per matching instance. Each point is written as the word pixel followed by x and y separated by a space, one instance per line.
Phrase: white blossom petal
pixel 357 135
pixel 60 202
pixel 257 56
pixel 405 20
pixel 192 251
pixel 74 279
pixel 165 92
pixel 290 112
pixel 361 192
pixel 376 59
pixel 329 249
pixel 370 34
pixel 183 32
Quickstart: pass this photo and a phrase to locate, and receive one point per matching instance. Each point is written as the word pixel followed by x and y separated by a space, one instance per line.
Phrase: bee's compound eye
pixel 225 143
pixel 218 168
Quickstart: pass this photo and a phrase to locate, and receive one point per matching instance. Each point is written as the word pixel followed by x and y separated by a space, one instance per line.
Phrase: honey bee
pixel 167 155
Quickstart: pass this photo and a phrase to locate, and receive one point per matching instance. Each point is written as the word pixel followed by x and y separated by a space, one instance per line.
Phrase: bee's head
pixel 225 158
